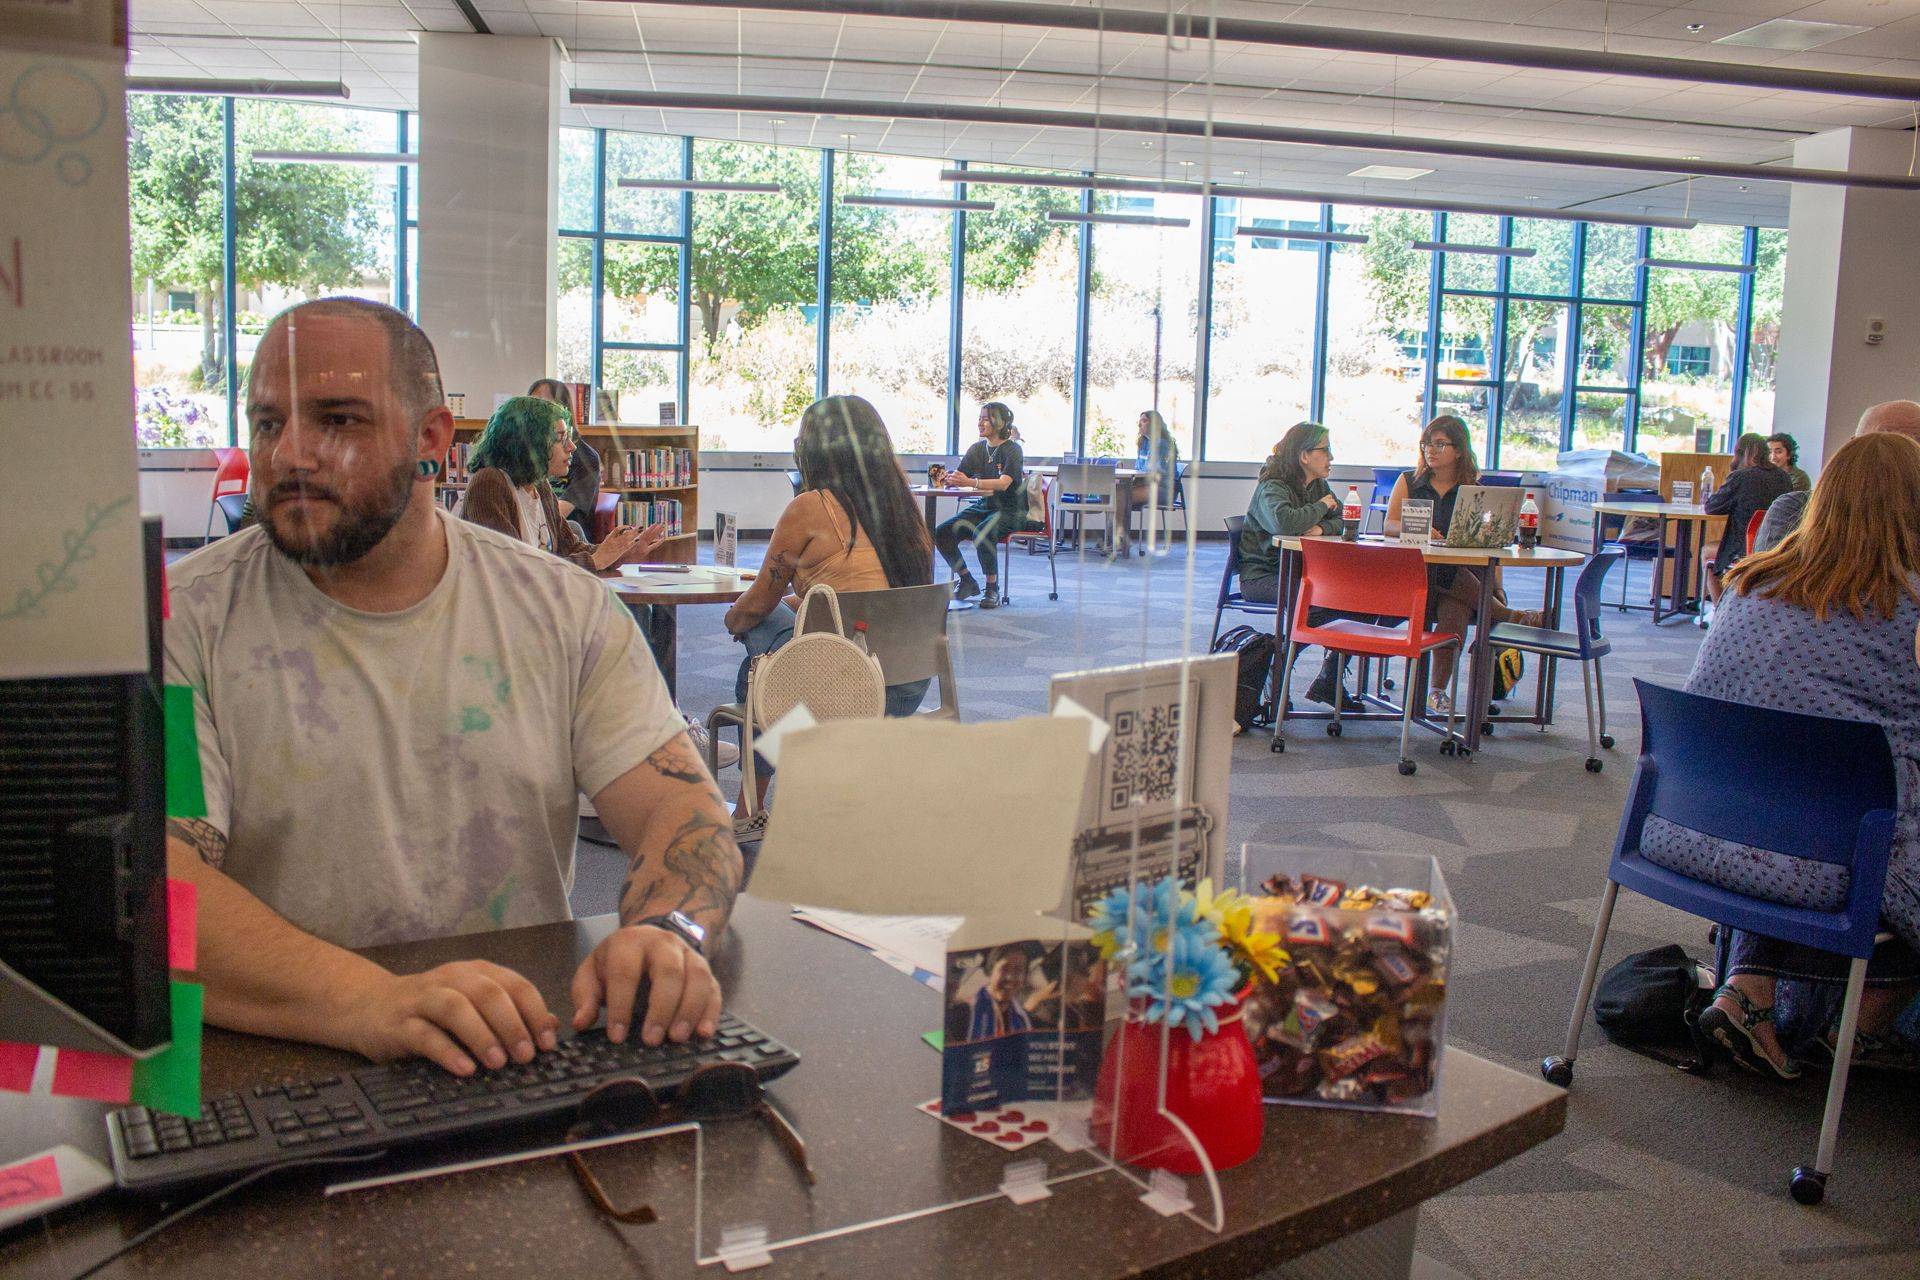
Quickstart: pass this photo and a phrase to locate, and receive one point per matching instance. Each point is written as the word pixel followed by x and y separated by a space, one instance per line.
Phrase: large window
pixel 1377 349
pixel 1687 366
pixel 1763 333
pixel 1260 372
pixel 892 297
pixel 1019 313
pixel 1142 322
pixel 300 231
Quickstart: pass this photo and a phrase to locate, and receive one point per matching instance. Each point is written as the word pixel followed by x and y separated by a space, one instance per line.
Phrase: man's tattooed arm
pixel 670 818
pixel 200 836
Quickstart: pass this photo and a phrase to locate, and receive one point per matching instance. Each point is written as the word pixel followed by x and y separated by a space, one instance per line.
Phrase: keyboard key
pixel 327 1083
pixel 241 1132
pixel 268 1090
pixel 400 1120
pixel 300 1092
pixel 483 1104
pixel 344 1111
pixel 313 1115
pixel 354 1129
pixel 175 1142
pixel 141 1148
pixel 295 1139
pixel 136 1115
pixel 324 1132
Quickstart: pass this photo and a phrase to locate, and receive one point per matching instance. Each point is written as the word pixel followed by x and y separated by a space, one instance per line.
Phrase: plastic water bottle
pixel 1706 486
pixel 860 636
pixel 1350 515
pixel 1529 523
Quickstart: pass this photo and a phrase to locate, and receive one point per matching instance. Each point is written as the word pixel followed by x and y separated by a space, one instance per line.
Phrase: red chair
pixel 606 511
pixel 1032 538
pixel 1388 582
pixel 1753 527
pixel 230 479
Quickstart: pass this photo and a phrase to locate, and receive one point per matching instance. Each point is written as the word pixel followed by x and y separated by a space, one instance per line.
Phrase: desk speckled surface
pixel 1320 1175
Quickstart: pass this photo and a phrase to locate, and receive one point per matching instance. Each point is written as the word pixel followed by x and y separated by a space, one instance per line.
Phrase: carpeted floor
pixel 1658 1174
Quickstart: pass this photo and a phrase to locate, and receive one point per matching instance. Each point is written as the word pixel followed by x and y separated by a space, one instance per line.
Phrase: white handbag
pixel 834 677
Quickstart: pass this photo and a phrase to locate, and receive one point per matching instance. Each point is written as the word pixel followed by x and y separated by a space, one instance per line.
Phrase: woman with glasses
pixel 1453 591
pixel 580 490
pixel 1292 499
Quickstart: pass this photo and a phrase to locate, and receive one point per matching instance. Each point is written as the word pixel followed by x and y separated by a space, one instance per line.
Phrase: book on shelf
pixel 457 470
pixel 643 512
pixel 646 468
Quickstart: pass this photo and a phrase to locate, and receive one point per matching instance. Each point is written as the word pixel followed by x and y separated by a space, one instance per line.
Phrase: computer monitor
pixel 83 863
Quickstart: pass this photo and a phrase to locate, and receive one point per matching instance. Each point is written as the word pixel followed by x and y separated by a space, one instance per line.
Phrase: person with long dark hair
pixel 580 491
pixel 1158 458
pixel 1784 452
pixel 1453 591
pixel 1292 499
pixel 1751 486
pixel 852 526
pixel 994 467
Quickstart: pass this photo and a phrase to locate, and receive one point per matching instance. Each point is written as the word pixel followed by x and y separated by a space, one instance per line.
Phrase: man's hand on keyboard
pixel 682 997
pixel 458 1014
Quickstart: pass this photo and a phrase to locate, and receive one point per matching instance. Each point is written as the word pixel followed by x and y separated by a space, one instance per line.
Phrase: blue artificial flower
pixel 1194 979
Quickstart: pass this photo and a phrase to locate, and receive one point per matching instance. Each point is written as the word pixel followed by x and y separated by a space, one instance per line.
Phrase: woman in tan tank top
pixel 853 526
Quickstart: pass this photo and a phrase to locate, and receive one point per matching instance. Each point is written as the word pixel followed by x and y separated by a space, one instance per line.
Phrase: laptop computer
pixel 1484 516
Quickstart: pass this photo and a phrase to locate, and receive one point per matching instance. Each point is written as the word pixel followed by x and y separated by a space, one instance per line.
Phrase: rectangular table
pixel 1480 656
pixel 1321 1176
pixel 1684 516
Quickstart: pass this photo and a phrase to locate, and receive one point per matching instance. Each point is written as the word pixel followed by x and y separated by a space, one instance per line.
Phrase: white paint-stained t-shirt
pixel 386 777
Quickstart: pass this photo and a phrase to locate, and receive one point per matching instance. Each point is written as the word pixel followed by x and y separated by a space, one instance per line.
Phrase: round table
pixel 932 495
pixel 666 592
pixel 1684 516
pixel 1480 667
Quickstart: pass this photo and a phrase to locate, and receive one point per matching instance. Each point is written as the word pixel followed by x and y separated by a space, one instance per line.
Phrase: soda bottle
pixel 860 636
pixel 1350 515
pixel 1529 523
pixel 1706 486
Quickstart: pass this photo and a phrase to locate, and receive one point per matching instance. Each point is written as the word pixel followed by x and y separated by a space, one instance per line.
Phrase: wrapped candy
pixel 1320 892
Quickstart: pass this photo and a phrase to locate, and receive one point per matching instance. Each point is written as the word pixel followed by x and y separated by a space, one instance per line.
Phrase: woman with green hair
pixel 527 443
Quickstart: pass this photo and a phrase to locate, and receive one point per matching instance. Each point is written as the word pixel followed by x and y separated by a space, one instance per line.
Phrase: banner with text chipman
pixel 71 593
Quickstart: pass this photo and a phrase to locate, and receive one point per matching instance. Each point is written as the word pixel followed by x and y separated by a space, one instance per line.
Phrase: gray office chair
pixel 1176 502
pixel 1082 489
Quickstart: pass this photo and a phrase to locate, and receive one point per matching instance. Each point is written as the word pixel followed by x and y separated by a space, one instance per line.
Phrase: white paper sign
pixel 1682 491
pixel 726 538
pixel 72 594
pixel 1416 521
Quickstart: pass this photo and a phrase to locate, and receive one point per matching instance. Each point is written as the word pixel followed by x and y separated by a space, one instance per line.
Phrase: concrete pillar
pixel 1851 259
pixel 489 209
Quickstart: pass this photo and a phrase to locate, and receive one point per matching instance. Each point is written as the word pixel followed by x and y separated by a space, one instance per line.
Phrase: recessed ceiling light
pixel 1696 26
pixel 1689 157
pixel 1146 144
pixel 1239 173
pixel 1391 172
pixel 1186 164
pixel 1793 34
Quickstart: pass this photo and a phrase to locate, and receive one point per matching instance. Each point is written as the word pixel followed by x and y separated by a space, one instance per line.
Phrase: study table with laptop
pixel 1482 534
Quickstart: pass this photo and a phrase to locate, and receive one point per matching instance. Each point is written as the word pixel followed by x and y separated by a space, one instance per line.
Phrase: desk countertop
pixel 1540 556
pixel 1671 510
pixel 706 584
pixel 1319 1176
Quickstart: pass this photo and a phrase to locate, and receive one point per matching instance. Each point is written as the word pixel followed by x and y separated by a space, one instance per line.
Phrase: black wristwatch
pixel 682 926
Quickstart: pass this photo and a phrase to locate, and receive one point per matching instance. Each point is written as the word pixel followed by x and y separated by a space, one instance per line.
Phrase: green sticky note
pixel 936 1040
pixel 170 1080
pixel 186 797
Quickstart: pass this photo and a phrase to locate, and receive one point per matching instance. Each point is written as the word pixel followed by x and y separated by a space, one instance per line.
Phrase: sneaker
pixel 1439 704
pixel 965 588
pixel 991 600
pixel 1535 618
pixel 750 830
pixel 729 754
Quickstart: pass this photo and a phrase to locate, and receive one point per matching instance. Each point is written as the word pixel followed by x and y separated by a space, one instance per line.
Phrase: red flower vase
pixel 1212 1086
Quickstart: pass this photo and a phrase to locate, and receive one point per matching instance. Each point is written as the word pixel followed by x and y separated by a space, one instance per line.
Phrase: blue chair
pixel 1843 814
pixel 1584 645
pixel 1384 478
pixel 1230 597
pixel 1501 479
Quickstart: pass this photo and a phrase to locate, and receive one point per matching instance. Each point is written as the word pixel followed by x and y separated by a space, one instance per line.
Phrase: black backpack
pixel 1649 1003
pixel 1250 706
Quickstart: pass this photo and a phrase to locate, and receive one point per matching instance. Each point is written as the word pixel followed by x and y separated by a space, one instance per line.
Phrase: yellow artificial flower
pixel 1218 906
pixel 1258 951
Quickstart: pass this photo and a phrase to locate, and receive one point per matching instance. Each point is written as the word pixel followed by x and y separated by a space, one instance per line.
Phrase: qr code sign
pixel 1145 756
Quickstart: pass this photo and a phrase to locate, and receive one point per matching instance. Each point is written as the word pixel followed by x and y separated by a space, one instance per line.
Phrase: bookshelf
pixel 616 443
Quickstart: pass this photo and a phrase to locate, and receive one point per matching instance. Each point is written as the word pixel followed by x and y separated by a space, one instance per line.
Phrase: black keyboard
pixel 405 1103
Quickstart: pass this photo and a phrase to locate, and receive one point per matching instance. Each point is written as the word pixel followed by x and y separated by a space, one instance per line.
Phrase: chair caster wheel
pixel 1333 731
pixel 1277 747
pixel 1606 741
pixel 1486 729
pixel 1053 595
pixel 1388 684
pixel 1461 751
pixel 1557 1070
pixel 1406 768
pixel 1808 1185
pixel 1593 766
pixel 1447 748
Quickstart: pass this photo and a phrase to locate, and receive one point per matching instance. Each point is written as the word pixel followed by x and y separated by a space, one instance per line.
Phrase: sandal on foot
pixel 1734 1033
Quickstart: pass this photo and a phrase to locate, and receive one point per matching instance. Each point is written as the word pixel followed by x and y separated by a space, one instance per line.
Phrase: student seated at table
pixel 397 711
pixel 994 467
pixel 1158 456
pixel 1823 624
pixel 853 526
pixel 1783 451
pixel 1453 591
pixel 1751 486
pixel 580 490
pixel 1291 499
pixel 1902 417
pixel 527 443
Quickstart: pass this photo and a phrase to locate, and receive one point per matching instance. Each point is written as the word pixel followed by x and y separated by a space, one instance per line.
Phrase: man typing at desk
pixel 396 713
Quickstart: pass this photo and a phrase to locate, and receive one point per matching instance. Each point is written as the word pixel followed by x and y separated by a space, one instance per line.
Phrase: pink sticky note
pixel 183 910
pixel 29 1182
pixel 103 1077
pixel 16 1066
